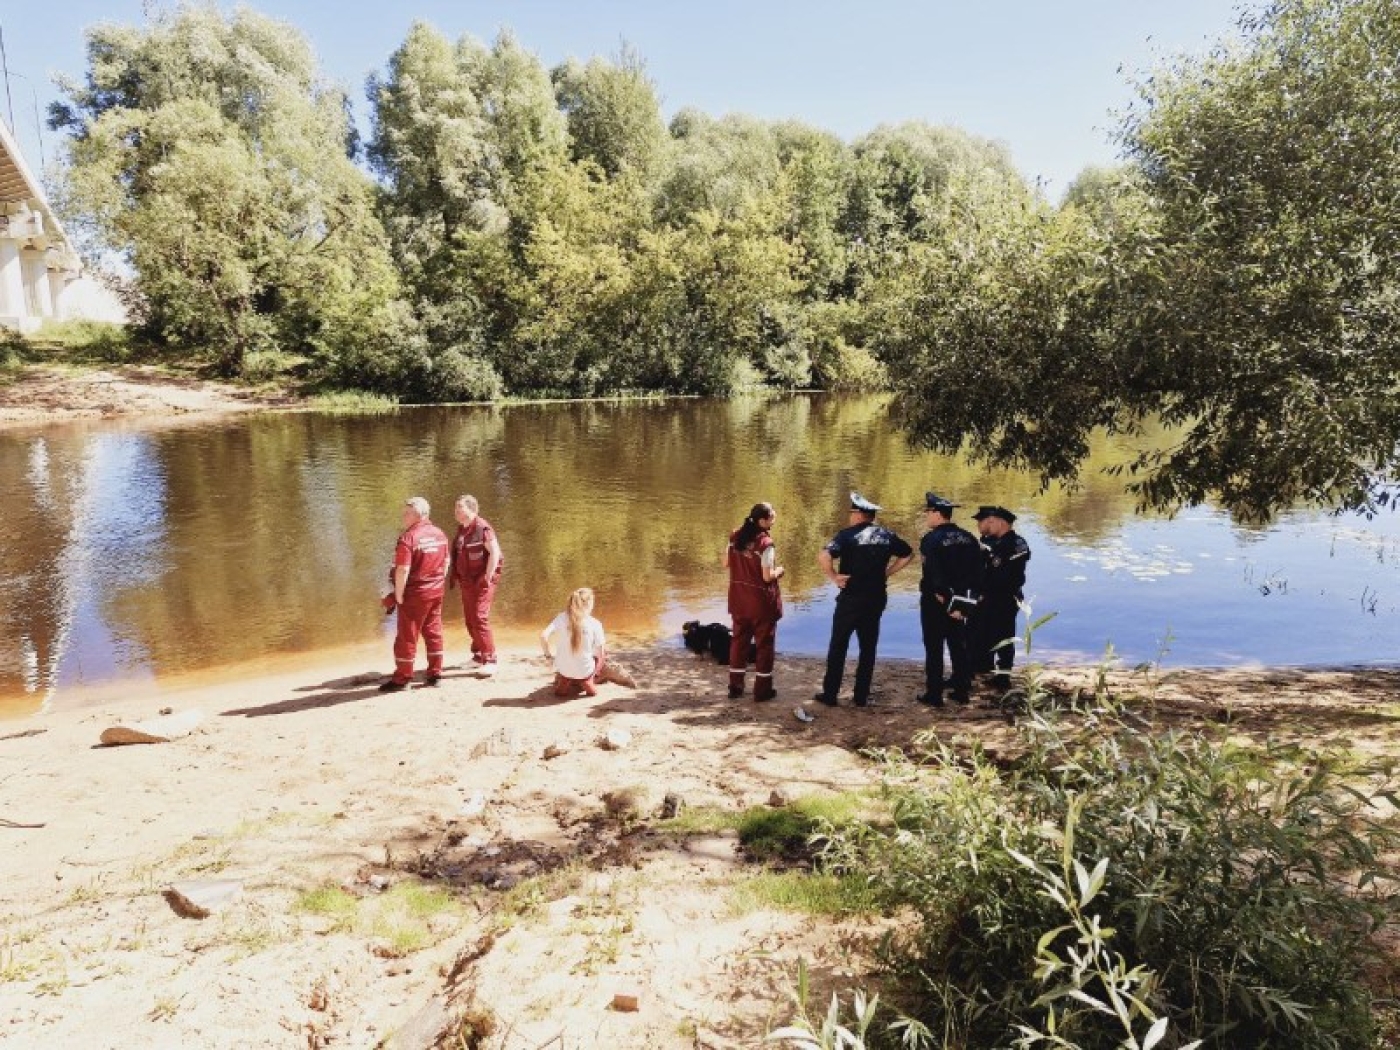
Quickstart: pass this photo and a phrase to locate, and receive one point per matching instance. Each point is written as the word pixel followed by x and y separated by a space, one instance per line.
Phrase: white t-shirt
pixel 569 662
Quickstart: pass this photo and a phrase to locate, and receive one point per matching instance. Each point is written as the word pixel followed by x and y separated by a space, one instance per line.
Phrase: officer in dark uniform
pixel 948 594
pixel 1004 558
pixel 869 554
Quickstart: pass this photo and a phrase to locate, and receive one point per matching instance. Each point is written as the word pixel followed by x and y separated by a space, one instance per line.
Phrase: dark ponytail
pixel 748 532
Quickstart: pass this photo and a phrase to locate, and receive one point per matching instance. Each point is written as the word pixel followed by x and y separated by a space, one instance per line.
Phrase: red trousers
pixel 580 686
pixel 477 594
pixel 418 616
pixel 763 634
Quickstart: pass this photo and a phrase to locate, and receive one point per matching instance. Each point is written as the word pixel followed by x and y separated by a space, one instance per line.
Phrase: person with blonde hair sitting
pixel 580 652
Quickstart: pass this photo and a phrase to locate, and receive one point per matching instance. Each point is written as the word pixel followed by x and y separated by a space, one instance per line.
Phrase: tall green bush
pixel 1122 881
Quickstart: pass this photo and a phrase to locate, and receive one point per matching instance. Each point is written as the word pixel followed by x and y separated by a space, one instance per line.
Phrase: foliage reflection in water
pixel 128 553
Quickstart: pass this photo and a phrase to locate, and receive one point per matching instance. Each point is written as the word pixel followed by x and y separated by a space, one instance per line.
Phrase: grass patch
pixel 330 902
pixel 700 820
pixel 401 917
pixel 418 901
pixel 353 402
pixel 805 893
pixel 785 834
pixel 80 342
pixel 88 893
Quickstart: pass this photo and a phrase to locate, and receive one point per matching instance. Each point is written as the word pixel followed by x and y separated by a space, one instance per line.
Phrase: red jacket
pixel 423 548
pixel 750 598
pixel 471 550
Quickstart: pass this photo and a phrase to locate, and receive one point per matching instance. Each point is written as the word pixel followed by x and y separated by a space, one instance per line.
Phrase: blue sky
pixel 1041 76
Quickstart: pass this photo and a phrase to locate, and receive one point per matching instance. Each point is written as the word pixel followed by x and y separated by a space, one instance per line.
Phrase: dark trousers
pixel 940 629
pixel 762 634
pixel 862 620
pixel 995 623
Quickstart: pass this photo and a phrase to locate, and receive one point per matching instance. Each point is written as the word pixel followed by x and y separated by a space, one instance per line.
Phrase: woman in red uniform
pixel 755 601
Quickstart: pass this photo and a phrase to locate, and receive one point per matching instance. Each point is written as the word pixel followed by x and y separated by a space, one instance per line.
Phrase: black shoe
pixel 392 686
pixel 822 698
pixel 963 700
pixel 764 699
pixel 735 692
pixel 930 699
pixel 432 680
pixel 1001 681
pixel 862 703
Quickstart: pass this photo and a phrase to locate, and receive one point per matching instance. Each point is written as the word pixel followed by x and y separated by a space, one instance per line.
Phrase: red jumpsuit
pixel 756 607
pixel 423 549
pixel 471 553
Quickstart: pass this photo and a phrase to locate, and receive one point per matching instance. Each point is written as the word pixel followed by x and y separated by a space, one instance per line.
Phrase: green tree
pixel 991 331
pixel 471 147
pixel 1240 285
pixel 715 292
pixel 211 156
pixel 903 172
pixel 1265 308
pixel 443 204
pixel 614 116
pixel 816 178
pixel 722 166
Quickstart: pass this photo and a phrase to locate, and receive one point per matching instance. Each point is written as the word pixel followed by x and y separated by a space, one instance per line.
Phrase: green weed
pixel 525 899
pixel 351 402
pixel 805 893
pixel 605 919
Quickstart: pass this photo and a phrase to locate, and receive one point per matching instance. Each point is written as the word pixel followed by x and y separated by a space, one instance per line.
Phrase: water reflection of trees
pixel 277 530
pixel 32 540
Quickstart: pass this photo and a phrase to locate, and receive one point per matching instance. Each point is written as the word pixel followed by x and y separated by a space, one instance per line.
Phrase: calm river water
pixel 130 553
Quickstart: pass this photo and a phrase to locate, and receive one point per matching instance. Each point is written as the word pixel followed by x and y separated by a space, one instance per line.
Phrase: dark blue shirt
pixel 863 552
pixel 1005 566
pixel 952 562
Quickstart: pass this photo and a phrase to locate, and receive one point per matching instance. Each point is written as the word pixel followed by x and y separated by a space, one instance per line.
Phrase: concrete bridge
pixel 37 263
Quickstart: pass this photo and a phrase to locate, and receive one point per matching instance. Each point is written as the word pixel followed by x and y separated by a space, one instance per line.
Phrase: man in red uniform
pixel 420 577
pixel 476 565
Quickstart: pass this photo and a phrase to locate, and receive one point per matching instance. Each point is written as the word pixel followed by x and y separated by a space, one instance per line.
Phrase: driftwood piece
pixel 16 824
pixel 618 675
pixel 197 898
pixel 23 733
pixel 424 1028
pixel 154 730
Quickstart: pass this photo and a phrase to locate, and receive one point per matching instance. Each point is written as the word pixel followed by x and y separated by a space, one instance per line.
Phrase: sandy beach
pixel 404 860
pixel 44 394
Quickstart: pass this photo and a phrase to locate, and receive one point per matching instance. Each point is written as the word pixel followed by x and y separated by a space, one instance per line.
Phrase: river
pixel 133 552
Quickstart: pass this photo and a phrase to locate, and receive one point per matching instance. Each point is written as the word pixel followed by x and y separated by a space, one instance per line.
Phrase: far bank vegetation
pixel 509 229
